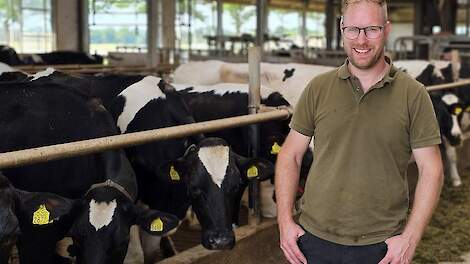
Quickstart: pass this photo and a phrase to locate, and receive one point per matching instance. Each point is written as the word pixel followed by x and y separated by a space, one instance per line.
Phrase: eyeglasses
pixel 371 32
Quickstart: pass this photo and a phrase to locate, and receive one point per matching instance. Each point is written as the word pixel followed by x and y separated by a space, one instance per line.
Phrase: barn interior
pixel 156 37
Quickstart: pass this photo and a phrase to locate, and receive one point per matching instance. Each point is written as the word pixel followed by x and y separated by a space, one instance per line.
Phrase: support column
pixel 304 25
pixel 168 23
pixel 152 32
pixel 83 27
pixel 220 28
pixel 448 12
pixel 329 23
pixel 261 6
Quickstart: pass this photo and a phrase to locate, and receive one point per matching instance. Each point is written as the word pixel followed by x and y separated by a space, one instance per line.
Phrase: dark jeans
pixel 319 251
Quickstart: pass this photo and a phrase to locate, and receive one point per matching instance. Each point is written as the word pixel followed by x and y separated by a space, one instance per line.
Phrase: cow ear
pixel 178 168
pixel 41 209
pixel 155 222
pixel 255 168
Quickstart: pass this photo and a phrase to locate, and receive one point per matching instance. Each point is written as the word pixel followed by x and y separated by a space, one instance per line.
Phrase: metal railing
pixel 83 147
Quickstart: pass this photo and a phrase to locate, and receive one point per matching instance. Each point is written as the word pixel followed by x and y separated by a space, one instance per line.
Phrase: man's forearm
pixel 286 184
pixel 426 197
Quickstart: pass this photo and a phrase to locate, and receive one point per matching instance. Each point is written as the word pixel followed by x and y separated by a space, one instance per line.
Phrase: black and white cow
pixel 423 71
pixel 288 79
pixel 63 57
pixel 9 56
pixel 174 174
pixel 449 111
pixel 97 192
pixel 231 100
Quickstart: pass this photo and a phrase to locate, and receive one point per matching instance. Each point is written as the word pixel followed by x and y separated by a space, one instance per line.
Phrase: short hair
pixel 382 3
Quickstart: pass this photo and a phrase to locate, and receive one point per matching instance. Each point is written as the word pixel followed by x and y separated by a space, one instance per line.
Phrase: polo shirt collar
pixel 343 72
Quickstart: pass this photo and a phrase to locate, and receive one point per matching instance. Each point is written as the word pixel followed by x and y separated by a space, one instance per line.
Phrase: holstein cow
pixel 174 174
pixel 448 109
pixel 14 202
pixel 63 57
pixel 97 192
pixel 463 92
pixel 9 56
pixel 288 79
pixel 231 100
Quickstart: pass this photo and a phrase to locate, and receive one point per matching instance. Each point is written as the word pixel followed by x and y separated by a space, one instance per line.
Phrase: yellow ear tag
pixel 467 109
pixel 156 225
pixel 458 110
pixel 252 172
pixel 275 149
pixel 174 175
pixel 41 216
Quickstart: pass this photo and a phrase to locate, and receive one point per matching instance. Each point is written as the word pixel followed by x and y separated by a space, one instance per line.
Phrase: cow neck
pixel 112 184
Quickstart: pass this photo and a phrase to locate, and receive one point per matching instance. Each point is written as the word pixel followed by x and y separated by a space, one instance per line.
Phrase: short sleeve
pixel 302 120
pixel 424 128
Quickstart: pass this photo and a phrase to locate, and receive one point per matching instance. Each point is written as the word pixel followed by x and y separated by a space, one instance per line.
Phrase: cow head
pixel 449 111
pixel 216 177
pixel 100 231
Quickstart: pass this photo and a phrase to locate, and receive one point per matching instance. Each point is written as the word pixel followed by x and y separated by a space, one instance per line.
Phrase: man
pixel 367 118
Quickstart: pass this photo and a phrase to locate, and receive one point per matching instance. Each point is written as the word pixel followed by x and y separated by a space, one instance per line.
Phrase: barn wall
pixel 67 24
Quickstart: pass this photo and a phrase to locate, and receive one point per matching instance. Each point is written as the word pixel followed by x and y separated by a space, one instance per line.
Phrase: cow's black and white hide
pixel 288 79
pixel 448 109
pixel 63 57
pixel 423 71
pixel 97 192
pixel 9 56
pixel 231 100
pixel 210 177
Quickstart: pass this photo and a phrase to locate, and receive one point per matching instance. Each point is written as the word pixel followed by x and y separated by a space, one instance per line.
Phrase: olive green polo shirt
pixel 357 189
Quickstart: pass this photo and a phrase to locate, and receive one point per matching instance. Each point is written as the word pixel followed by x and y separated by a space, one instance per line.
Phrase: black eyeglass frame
pixel 381 28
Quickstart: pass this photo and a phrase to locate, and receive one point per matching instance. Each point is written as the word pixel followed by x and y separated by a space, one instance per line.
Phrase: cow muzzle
pixel 218 240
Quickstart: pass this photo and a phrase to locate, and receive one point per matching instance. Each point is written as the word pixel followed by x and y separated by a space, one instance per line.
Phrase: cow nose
pixel 220 240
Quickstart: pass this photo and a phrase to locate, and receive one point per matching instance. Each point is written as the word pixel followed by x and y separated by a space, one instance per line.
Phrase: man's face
pixel 363 52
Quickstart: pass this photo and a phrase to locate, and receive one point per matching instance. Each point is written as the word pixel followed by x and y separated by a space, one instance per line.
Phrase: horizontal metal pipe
pixel 67 150
pixel 447 85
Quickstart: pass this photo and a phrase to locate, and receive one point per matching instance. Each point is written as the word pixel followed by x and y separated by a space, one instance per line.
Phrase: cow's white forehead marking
pixel 450 99
pixel 44 73
pixel 215 160
pixel 101 213
pixel 137 96
pixel 456 131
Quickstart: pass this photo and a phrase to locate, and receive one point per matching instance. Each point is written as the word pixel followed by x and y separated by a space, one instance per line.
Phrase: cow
pixel 449 111
pixel 200 171
pixel 63 57
pixel 9 56
pixel 231 100
pixel 423 71
pixel 97 192
pixel 288 79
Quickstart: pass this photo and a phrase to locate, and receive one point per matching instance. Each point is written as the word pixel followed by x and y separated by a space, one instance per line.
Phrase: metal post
pixel 467 17
pixel 254 101
pixel 260 26
pixel 220 28
pixel 329 23
pixel 304 27
pixel 190 20
pixel 83 27
pixel 152 20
